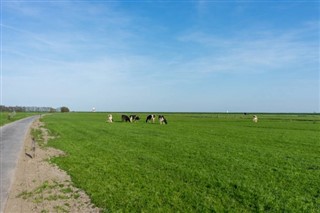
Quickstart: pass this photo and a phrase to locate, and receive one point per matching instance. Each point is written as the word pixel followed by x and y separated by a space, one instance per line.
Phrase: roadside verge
pixel 40 186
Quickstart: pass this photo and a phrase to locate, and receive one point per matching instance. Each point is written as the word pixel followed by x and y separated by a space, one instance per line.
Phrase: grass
pixel 37 134
pixel 196 163
pixel 8 117
pixel 51 191
pixel 37 194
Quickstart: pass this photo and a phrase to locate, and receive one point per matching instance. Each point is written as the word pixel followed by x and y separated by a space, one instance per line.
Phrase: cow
pixel 150 118
pixel 134 118
pixel 162 119
pixel 125 118
pixel 255 119
pixel 110 119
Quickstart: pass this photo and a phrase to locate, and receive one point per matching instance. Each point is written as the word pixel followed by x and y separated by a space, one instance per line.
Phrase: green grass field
pixel 4 116
pixel 196 163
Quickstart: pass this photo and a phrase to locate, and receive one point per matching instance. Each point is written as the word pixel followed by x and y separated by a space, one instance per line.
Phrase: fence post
pixel 33 147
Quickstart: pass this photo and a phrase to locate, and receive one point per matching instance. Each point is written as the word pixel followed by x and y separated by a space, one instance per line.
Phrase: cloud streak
pixel 252 53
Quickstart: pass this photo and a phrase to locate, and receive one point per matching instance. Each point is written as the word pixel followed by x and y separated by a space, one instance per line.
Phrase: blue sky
pixel 185 56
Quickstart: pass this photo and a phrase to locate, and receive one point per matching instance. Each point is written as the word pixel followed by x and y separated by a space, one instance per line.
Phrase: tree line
pixel 4 108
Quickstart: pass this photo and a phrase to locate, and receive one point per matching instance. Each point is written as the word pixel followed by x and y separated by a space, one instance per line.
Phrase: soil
pixel 40 186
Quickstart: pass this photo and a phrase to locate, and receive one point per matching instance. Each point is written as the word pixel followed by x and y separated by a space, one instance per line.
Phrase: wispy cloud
pixel 73 28
pixel 253 52
pixel 27 34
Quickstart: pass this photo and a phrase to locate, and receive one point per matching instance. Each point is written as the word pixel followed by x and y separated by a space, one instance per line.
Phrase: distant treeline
pixel 28 109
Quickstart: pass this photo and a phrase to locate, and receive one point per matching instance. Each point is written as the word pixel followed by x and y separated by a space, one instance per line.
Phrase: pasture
pixel 196 163
pixel 8 117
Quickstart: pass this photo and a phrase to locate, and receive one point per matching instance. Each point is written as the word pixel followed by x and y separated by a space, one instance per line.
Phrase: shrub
pixel 65 109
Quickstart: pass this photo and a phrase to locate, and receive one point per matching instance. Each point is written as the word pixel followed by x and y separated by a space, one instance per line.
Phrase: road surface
pixel 11 142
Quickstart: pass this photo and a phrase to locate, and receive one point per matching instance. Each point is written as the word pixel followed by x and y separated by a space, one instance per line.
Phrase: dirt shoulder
pixel 42 187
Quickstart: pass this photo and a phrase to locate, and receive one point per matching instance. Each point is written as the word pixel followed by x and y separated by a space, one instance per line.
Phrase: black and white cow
pixel 134 118
pixel 150 118
pixel 125 118
pixel 162 119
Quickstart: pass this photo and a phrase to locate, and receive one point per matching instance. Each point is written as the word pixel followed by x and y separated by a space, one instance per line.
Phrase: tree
pixel 52 110
pixel 65 109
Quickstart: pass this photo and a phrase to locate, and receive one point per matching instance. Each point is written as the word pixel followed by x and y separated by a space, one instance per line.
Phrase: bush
pixel 65 109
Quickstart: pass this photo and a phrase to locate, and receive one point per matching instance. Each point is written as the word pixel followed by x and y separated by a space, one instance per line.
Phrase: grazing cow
pixel 134 118
pixel 162 119
pixel 110 119
pixel 255 119
pixel 125 118
pixel 151 118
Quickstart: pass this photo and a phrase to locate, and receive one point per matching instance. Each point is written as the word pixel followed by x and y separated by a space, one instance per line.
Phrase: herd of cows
pixel 133 118
pixel 151 118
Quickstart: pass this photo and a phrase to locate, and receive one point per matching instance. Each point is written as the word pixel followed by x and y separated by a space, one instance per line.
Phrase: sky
pixel 161 56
